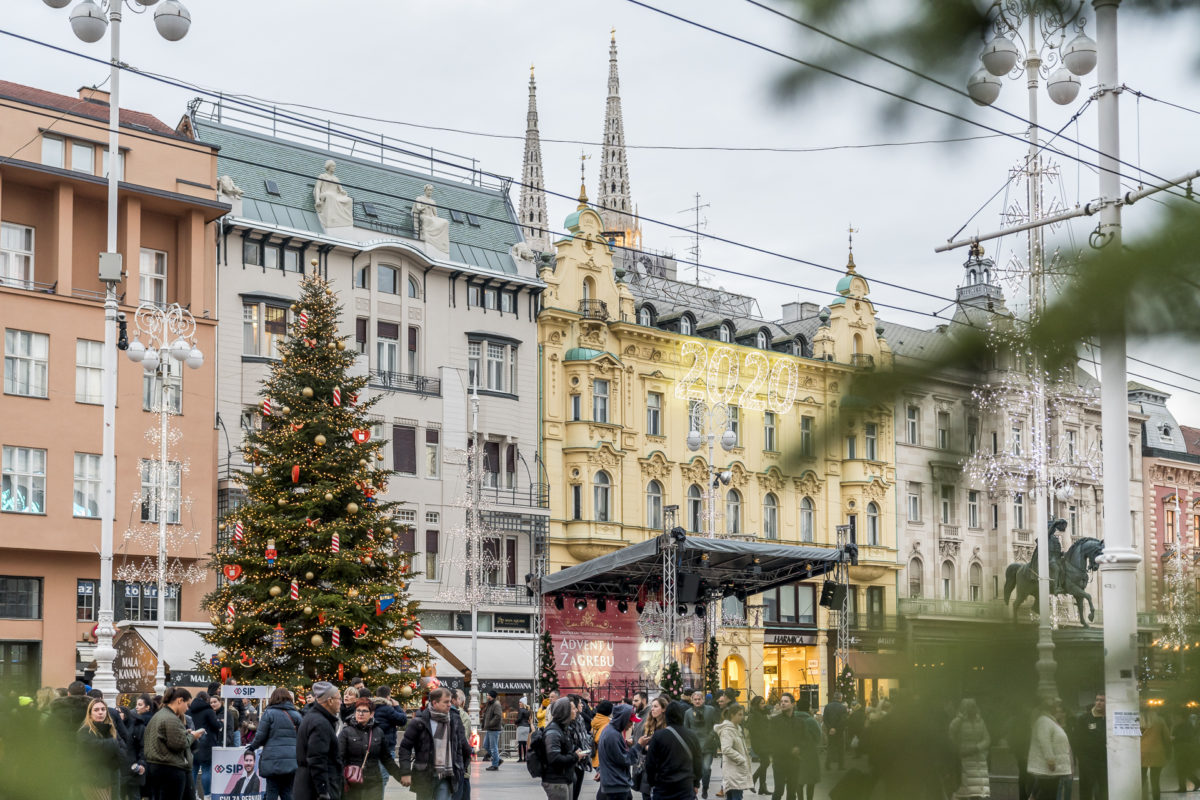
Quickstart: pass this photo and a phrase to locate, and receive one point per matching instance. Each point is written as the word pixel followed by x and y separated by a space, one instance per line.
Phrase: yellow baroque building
pixel 623 363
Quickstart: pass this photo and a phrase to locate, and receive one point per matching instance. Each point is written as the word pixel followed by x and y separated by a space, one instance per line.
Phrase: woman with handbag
pixel 361 748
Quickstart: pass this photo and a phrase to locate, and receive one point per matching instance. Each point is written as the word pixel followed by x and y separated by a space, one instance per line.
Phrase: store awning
pixel 705 566
pixel 501 656
pixel 878 665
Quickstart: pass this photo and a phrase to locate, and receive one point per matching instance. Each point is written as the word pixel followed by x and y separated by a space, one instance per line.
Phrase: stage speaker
pixel 689 588
pixel 833 595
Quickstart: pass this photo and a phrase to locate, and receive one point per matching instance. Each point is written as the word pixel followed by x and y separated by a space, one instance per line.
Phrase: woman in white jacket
pixel 1049 752
pixel 736 769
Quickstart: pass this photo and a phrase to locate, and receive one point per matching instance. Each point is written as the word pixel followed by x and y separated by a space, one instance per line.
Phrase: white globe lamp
pixel 1062 86
pixel 195 358
pixel 693 440
pixel 150 361
pixel 172 20
pixel 999 56
pixel 88 22
pixel 728 439
pixel 57 3
pixel 983 87
pixel 1079 55
pixel 180 349
pixel 136 351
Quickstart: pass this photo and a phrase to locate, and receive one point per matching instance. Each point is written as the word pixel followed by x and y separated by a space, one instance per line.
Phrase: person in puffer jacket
pixel 737 774
pixel 276 735
pixel 616 757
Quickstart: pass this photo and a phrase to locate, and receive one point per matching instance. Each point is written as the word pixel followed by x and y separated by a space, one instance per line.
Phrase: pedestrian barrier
pixel 508 741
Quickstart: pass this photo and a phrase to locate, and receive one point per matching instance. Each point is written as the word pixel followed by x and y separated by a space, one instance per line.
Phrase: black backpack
pixel 535 754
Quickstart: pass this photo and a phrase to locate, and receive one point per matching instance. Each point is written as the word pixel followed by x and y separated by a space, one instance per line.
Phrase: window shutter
pixel 412 339
pixel 431 436
pixel 404 449
pixel 388 330
pixel 407 540
pixel 360 330
pixel 431 541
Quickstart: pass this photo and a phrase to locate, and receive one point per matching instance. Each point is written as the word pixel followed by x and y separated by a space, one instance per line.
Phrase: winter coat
pixel 63 718
pixel 971 740
pixel 523 716
pixel 615 757
pixel 204 717
pixel 363 745
pixel 278 729
pixel 598 724
pixel 103 757
pixel 318 766
pixel 834 716
pixel 581 739
pixel 1049 751
pixel 167 741
pixel 674 767
pixel 543 714
pixel 1156 742
pixel 389 719
pixel 1089 743
pixel 797 738
pixel 700 721
pixel 416 757
pixel 758 725
pixel 736 769
pixel 493 716
pixel 560 744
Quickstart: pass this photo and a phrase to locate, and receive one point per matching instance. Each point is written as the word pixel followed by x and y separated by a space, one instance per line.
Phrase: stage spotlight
pixel 580 603
pixel 558 602
pixel 681 610
pixel 601 605
pixel 623 606
pixel 640 606
pixel 678 534
pixel 700 610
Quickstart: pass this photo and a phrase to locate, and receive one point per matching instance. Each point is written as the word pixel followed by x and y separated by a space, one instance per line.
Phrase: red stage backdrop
pixel 593 648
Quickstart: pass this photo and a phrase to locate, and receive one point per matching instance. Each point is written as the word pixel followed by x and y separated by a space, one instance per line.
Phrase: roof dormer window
pixel 762 340
pixel 725 333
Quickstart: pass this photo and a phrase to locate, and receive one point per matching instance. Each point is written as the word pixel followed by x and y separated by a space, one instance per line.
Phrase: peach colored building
pixel 52 228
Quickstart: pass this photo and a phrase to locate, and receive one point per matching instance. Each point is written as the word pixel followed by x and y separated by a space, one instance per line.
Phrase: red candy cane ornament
pixel 337 395
pixel 337 637
pixel 336 544
pixel 266 407
pixel 295 593
pixel 303 320
pixel 237 531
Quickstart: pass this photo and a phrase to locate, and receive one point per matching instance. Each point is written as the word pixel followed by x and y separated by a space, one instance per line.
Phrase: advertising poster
pixel 235 775
pixel 594 648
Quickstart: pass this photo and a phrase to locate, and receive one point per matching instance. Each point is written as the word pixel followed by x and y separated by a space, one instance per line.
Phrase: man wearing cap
pixel 493 722
pixel 319 767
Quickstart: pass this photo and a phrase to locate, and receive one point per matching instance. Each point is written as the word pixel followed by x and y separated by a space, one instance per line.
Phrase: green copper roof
pixel 843 286
pixel 252 158
pixel 584 354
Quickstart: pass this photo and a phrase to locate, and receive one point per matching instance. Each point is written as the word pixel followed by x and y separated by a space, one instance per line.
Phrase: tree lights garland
pixel 548 678
pixel 311 570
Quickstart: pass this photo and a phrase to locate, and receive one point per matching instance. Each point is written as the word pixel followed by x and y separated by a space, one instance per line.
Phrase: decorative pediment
pixel 655 466
pixel 808 483
pixel 740 476
pixel 771 480
pixel 949 548
pixel 605 456
pixel 876 489
pixel 696 471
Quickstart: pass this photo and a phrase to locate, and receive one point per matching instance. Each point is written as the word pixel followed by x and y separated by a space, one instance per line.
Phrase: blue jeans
pixel 204 768
pixel 705 771
pixel 491 743
pixel 463 793
pixel 733 794
pixel 279 787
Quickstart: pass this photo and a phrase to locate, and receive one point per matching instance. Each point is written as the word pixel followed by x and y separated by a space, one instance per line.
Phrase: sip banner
pixel 235 774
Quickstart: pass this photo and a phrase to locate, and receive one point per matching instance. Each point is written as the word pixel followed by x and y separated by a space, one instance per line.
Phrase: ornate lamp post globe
pixel 172 20
pixel 195 358
pixel 728 439
pixel 983 87
pixel 136 351
pixel 180 349
pixel 150 360
pixel 999 56
pixel 1062 86
pixel 57 3
pixel 693 440
pixel 1080 55
pixel 88 21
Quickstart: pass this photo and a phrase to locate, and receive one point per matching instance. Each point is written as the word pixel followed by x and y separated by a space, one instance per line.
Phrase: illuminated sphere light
pixel 328 496
pixel 319 439
pixel 352 592
pixel 580 603
pixel 307 391
pixel 352 508
pixel 308 576
pixel 409 634
pixel 275 591
pixel 317 640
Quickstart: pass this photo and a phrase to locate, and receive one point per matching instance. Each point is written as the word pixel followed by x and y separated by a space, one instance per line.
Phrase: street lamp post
pixel 705 421
pixel 171 332
pixel 1045 46
pixel 89 22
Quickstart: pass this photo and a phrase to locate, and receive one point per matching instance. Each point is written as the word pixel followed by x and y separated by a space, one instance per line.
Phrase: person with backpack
pixel 701 719
pixel 554 750
pixel 674 762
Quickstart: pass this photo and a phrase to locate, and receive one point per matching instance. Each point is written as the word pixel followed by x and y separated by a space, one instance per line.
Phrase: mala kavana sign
pixel 135 663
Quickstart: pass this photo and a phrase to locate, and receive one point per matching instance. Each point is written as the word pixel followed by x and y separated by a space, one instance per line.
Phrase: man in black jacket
pixel 562 754
pixel 493 724
pixel 434 750
pixel 674 763
pixel 319 767
pixel 389 718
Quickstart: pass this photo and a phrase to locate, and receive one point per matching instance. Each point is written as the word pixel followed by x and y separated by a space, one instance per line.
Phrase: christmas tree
pixel 672 681
pixel 548 680
pixel 712 668
pixel 846 685
pixel 314 585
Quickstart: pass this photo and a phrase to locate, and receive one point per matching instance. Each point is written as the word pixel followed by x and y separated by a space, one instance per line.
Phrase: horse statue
pixel 1068 573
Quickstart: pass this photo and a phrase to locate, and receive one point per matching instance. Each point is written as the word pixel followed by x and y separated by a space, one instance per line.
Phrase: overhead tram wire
pixel 179 83
pixel 880 89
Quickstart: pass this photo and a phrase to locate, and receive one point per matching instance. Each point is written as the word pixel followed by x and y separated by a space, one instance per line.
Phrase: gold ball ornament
pixel 258 470
pixel 409 634
pixel 229 627
pixel 285 411
pixel 282 501
pixel 342 346
pixel 362 462
pixel 275 591
pixel 379 456
pixel 314 262
pixel 307 391
pixel 388 530
pixel 319 438
pixel 364 669
pixel 224 654
pixel 352 592
pixel 328 496
pixel 352 508
pixel 331 346
pixel 221 526
pixel 308 576
pixel 308 611
pixel 329 292
pixel 369 562
pixel 317 640
pixel 406 692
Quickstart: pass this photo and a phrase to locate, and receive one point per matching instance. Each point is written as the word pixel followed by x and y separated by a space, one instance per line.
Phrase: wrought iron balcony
pixel 593 309
pixel 401 382
pixel 863 360
pixel 535 495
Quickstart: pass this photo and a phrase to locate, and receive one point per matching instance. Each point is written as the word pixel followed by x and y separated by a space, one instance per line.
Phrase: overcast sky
pixel 465 64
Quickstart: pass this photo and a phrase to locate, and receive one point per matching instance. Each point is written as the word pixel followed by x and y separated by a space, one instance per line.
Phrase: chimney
pixel 794 312
pixel 91 95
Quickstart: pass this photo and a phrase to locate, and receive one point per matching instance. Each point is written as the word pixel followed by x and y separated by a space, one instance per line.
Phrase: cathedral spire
pixel 613 197
pixel 532 211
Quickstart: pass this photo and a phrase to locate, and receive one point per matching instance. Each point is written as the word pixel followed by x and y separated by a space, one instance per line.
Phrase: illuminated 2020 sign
pixel 716 376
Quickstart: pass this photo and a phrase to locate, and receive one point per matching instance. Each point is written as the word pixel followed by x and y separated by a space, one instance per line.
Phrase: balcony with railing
pixel 958 609
pixel 403 382
pixel 1022 535
pixel 862 360
pixel 594 309
pixel 536 495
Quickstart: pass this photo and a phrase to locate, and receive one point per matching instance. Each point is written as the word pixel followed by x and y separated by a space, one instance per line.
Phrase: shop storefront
pixel 792 663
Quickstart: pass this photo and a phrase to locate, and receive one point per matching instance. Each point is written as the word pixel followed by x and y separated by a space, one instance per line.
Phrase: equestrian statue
pixel 1068 573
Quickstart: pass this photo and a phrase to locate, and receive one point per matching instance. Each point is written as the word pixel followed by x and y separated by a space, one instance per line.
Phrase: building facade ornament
pixel 656 467
pixel 334 207
pixel 808 484
pixel 949 548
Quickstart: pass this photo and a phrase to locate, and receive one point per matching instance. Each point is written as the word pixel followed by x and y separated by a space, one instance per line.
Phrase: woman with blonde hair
pixel 656 720
pixel 102 753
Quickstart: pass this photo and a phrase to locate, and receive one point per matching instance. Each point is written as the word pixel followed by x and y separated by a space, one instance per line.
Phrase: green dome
pixel 582 354
pixel 843 286
pixel 572 221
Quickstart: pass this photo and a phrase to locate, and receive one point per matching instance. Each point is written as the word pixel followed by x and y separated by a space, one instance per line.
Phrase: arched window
pixel 799 347
pixel 857 343
pixel 947 580
pixel 645 317
pixel 589 288
pixel 873 524
pixel 733 512
pixel 414 288
pixel 762 340
pixel 686 326
pixel 1019 511
pixel 915 568
pixel 725 333
pixel 976 582
pixel 695 508
pixel 654 505
pixel 601 497
pixel 807 518
pixel 770 517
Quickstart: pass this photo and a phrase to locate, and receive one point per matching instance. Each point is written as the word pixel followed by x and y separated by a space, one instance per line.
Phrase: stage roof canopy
pixel 705 566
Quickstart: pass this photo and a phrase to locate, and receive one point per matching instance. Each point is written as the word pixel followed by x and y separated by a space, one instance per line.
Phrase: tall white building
pixel 419 248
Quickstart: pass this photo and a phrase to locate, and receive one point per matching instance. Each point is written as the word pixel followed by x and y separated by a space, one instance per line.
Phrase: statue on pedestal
pixel 432 229
pixel 334 206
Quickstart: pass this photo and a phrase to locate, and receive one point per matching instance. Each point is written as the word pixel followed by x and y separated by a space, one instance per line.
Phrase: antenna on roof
pixel 697 226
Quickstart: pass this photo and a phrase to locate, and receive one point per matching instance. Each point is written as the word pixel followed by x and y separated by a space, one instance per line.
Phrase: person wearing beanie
pixel 600 720
pixel 318 763
pixel 492 722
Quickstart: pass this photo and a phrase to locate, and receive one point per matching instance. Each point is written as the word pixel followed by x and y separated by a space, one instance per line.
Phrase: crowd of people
pixel 332 744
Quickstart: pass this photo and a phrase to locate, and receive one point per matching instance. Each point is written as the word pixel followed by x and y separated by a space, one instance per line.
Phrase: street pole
pixel 475 566
pixel 105 680
pixel 1118 565
pixel 160 674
